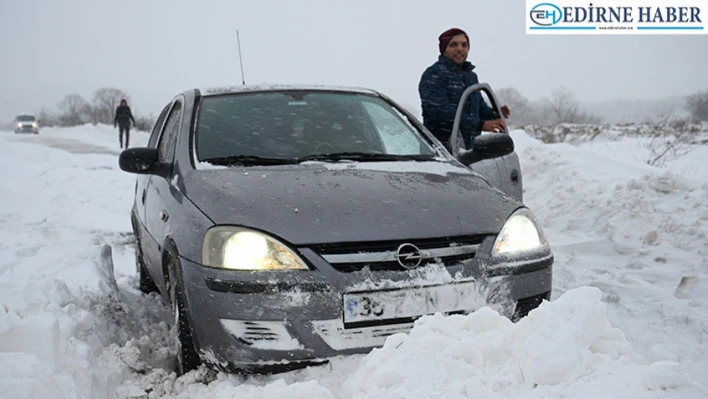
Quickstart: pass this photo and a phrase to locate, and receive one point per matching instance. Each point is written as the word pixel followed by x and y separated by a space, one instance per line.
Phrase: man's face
pixel 458 49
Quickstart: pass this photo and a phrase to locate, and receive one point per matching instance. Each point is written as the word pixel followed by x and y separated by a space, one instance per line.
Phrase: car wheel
pixel 187 357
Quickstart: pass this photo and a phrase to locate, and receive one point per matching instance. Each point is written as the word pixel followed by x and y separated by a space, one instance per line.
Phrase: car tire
pixel 187 356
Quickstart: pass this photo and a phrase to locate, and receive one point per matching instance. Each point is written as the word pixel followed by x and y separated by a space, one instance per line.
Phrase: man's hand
pixel 506 111
pixel 496 126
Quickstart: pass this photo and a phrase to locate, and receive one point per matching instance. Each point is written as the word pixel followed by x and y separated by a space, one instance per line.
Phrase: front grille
pixel 382 255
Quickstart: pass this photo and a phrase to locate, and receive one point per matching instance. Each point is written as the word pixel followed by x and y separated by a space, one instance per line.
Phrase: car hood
pixel 322 203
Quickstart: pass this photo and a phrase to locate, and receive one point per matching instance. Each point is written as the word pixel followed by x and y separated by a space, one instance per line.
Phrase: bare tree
pixel 697 105
pixel 47 118
pixel 105 101
pixel 521 110
pixel 563 105
pixel 74 110
pixel 144 123
pixel 672 139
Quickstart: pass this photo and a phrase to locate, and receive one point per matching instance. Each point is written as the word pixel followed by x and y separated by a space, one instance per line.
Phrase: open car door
pixel 504 172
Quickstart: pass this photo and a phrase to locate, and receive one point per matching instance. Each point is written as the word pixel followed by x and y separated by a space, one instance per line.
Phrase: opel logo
pixel 408 256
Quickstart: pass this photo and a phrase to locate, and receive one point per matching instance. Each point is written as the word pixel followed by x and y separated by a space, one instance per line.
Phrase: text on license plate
pixel 408 302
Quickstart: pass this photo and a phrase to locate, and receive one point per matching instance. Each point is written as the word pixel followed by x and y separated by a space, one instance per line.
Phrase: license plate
pixel 408 302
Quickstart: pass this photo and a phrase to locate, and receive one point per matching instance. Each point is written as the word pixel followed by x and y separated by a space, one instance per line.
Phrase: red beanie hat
pixel 446 36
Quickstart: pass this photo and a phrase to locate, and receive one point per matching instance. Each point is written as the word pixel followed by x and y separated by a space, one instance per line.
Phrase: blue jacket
pixel 440 89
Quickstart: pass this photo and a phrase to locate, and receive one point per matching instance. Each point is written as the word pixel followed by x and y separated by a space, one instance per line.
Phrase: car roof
pixel 212 91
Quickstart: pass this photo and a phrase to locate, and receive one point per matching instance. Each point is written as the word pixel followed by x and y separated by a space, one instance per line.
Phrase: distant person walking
pixel 122 120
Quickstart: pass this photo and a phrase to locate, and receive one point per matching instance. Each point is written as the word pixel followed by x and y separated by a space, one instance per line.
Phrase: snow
pixel 277 86
pixel 628 317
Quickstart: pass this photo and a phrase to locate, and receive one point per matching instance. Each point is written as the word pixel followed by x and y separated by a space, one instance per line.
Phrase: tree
pixel 673 139
pixel 563 108
pixel 74 110
pixel 521 112
pixel 563 105
pixel 105 101
pixel 697 105
pixel 46 118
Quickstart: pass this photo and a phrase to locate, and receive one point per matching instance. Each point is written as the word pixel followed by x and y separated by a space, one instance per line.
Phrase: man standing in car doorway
pixel 441 87
pixel 122 120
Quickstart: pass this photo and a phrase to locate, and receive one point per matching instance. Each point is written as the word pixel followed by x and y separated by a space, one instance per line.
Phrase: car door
pixel 503 173
pixel 142 180
pixel 160 192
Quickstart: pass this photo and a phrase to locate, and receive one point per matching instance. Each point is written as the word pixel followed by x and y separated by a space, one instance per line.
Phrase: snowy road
pixel 629 316
pixel 68 144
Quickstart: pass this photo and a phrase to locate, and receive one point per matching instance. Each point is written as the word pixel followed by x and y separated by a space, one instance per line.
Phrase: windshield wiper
pixel 364 157
pixel 248 160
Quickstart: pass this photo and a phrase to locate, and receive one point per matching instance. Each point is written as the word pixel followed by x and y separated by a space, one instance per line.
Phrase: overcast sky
pixel 154 49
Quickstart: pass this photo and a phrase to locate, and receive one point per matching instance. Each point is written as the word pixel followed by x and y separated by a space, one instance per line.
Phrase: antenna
pixel 240 60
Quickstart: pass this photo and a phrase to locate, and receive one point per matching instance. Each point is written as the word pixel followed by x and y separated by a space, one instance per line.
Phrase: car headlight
pixel 521 233
pixel 34 124
pixel 237 248
pixel 19 124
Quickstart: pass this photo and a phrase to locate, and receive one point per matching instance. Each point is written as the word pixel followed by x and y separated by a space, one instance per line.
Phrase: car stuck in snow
pixel 286 225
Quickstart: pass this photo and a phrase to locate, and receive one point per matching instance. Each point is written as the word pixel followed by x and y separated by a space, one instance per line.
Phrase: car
pixel 26 123
pixel 289 225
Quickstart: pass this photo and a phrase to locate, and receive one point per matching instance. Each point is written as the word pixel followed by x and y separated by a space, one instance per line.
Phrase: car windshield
pixel 25 118
pixel 305 125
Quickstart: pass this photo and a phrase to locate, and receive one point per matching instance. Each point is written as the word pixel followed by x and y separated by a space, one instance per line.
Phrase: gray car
pixel 287 225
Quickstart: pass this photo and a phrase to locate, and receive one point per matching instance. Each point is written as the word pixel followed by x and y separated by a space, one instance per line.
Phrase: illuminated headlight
pixel 242 249
pixel 19 124
pixel 34 124
pixel 521 233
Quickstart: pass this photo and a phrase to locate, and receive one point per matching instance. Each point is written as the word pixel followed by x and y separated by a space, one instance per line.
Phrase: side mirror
pixel 487 146
pixel 140 160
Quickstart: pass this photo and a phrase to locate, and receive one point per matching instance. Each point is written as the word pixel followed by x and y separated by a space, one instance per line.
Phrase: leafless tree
pixel 74 110
pixel 104 103
pixel 521 110
pixel 563 105
pixel 672 139
pixel 144 123
pixel 47 118
pixel 697 105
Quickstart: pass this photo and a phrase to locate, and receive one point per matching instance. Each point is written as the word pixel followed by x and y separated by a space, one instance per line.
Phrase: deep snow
pixel 628 317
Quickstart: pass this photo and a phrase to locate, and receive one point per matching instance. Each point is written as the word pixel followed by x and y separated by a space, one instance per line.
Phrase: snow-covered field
pixel 628 317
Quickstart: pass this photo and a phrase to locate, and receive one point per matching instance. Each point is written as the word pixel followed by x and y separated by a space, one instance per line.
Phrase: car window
pixel 26 118
pixel 152 142
pixel 168 140
pixel 393 129
pixel 295 124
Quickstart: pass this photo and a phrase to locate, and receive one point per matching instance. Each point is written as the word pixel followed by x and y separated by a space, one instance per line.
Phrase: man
pixel 441 87
pixel 122 119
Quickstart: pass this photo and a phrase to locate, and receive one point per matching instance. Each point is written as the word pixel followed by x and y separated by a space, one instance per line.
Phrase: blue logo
pixel 546 14
pixel 352 307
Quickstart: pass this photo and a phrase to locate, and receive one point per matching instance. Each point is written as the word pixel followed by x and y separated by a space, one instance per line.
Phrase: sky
pixel 156 49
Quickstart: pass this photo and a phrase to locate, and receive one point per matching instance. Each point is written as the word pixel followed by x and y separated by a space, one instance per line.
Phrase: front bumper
pixel 273 321
pixel 27 129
